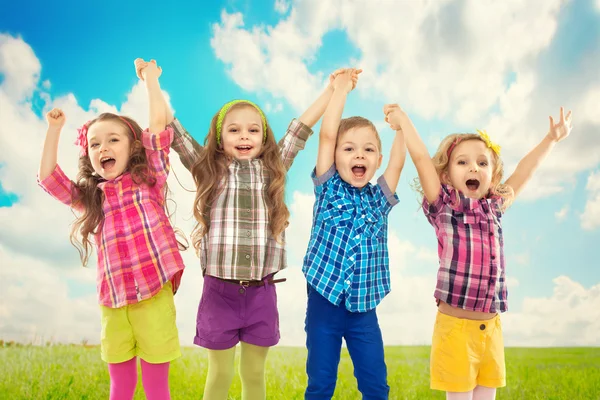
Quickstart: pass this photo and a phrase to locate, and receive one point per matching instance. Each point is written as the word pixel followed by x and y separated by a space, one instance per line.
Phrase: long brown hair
pixel 90 197
pixel 212 167
pixel 441 159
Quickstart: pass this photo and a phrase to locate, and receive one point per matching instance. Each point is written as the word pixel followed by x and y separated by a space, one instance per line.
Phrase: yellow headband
pixel 226 108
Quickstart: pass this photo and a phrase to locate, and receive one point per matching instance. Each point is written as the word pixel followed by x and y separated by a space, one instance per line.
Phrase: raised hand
pixel 395 116
pixel 562 129
pixel 354 74
pixel 56 118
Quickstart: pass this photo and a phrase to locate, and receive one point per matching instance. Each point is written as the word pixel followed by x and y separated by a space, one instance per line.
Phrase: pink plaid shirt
pixel 470 247
pixel 136 246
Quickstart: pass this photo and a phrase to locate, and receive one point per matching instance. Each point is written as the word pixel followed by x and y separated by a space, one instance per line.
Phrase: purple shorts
pixel 229 313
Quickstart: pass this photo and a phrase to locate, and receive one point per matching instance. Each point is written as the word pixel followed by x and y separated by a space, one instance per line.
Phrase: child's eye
pixel 348 149
pixel 461 162
pixel 254 130
pixel 483 163
pixel 371 150
pixel 114 140
pixel 233 130
pixel 93 145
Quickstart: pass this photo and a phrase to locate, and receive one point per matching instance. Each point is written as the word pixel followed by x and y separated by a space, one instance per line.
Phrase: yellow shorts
pixel 466 353
pixel 146 329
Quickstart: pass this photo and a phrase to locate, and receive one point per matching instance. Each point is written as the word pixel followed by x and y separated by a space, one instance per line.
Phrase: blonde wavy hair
pixel 441 159
pixel 212 166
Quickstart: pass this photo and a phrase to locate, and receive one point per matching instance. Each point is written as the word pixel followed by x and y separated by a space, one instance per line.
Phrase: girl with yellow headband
pixel 464 200
pixel 240 177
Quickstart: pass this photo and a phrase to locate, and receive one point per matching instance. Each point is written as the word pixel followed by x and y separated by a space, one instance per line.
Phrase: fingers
pixel 551 122
pixel 388 108
pixel 568 117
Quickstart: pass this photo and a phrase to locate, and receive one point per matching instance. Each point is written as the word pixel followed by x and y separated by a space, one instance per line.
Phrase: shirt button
pixel 248 233
pixel 491 233
pixel 362 216
pixel 248 210
pixel 357 237
pixel 247 256
pixel 493 257
pixel 340 206
pixel 482 327
pixel 347 282
pixel 351 259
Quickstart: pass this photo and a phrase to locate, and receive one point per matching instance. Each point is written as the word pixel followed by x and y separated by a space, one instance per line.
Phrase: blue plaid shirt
pixel 347 256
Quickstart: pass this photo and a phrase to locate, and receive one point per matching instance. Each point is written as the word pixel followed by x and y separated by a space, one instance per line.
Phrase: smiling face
pixel 357 155
pixel 109 148
pixel 242 133
pixel 470 168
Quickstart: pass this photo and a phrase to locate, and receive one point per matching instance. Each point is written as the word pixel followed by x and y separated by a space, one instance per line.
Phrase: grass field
pixel 76 372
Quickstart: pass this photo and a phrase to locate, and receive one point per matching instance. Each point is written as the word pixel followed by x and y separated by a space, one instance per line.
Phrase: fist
pixel 56 118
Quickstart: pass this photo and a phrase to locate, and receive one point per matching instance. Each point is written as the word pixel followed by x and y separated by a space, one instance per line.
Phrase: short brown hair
pixel 357 122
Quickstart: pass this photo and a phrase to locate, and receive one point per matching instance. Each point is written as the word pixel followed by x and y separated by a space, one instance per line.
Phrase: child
pixel 240 175
pixel 346 264
pixel 464 200
pixel 120 193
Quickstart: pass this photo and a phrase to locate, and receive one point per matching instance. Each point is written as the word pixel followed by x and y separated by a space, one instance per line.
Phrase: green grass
pixel 76 372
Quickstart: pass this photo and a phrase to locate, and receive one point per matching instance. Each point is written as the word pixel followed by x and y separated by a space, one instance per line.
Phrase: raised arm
pixel 530 163
pixel 396 163
pixel 342 85
pixel 140 64
pixel 398 120
pixel 316 109
pixel 183 143
pixel 150 73
pixel 56 120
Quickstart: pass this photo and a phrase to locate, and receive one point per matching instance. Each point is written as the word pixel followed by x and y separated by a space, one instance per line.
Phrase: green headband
pixel 226 108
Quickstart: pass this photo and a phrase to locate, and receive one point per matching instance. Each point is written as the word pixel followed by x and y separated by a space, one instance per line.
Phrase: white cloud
pixel 482 75
pixel 20 67
pixel 570 317
pixel 562 213
pixel 590 219
pixel 282 6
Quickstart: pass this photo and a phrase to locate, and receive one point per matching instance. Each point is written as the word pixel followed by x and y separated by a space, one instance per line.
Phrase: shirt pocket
pixel 337 212
pixel 466 218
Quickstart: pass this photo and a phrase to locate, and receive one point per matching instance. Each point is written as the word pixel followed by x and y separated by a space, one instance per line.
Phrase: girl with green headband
pixel 240 177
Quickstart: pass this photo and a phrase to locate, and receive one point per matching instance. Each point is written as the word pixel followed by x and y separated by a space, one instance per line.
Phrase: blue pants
pixel 325 326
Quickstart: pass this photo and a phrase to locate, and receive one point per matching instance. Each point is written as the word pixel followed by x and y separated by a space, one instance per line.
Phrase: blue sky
pixel 453 65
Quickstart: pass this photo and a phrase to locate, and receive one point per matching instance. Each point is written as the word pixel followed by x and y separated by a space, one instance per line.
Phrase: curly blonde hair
pixel 441 159
pixel 212 166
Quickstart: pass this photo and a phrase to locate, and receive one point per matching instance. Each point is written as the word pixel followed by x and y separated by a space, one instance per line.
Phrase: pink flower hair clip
pixel 81 140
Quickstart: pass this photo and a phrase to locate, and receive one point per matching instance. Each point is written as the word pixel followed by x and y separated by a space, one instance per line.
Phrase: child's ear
pixel 380 160
pixel 136 146
pixel 445 178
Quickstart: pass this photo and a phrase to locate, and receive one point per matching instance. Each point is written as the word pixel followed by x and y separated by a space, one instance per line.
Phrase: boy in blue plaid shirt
pixel 346 264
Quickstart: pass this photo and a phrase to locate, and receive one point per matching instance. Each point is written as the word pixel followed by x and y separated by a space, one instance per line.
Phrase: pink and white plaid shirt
pixel 136 246
pixel 470 247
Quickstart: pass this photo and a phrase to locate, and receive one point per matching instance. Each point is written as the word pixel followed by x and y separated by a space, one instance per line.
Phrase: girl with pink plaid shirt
pixel 120 195
pixel 464 200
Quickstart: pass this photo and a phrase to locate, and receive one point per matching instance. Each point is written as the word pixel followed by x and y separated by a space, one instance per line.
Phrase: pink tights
pixel 123 380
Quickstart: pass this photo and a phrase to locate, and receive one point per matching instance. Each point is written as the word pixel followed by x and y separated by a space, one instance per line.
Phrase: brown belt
pixel 252 283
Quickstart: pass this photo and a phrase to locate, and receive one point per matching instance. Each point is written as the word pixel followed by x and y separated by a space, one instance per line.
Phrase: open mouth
pixel 244 149
pixel 107 162
pixel 359 170
pixel 472 184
